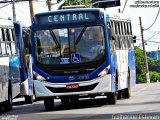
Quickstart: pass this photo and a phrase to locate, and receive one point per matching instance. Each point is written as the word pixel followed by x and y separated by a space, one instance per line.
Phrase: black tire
pixel 28 99
pixel 1 108
pixel 126 92
pixel 119 96
pixel 112 97
pixel 49 104
pixel 64 100
pixel 74 99
pixel 8 103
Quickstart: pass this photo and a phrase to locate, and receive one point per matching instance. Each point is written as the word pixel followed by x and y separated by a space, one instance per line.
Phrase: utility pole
pixel 157 53
pixel 119 10
pixel 14 12
pixel 49 5
pixel 31 9
pixel 144 51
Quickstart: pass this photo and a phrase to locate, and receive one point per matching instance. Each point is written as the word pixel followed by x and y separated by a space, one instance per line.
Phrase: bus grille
pixel 81 88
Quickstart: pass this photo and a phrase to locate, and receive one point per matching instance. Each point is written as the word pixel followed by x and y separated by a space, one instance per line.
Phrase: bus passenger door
pixel 28 59
pixel 27 62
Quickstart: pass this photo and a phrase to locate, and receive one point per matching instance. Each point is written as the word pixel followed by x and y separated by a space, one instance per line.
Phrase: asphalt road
pixel 144 104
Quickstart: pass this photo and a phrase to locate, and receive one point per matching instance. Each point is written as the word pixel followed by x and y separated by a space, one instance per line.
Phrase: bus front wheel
pixel 8 103
pixel 74 99
pixel 112 98
pixel 49 104
pixel 64 100
pixel 29 99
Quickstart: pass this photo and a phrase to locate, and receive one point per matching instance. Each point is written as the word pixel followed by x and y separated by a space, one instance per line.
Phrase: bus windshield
pixel 69 45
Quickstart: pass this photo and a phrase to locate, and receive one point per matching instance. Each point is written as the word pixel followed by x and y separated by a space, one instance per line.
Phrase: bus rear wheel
pixel 126 92
pixel 49 104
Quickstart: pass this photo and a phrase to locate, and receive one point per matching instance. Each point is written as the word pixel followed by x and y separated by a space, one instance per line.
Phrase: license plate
pixel 72 86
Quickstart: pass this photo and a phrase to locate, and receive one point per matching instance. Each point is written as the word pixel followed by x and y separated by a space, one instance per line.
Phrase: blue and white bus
pixel 23 38
pixel 9 65
pixel 82 52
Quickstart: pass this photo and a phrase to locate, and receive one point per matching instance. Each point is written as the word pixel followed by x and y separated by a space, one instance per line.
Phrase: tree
pixel 154 66
pixel 140 66
pixel 78 2
pixel 154 76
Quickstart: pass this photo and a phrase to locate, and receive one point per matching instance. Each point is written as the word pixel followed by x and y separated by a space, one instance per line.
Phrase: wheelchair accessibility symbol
pixel 75 57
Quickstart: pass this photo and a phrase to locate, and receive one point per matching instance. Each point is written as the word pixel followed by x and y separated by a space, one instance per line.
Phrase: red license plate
pixel 72 86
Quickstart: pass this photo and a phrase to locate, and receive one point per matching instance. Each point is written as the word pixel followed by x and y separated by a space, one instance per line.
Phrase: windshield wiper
pixel 55 39
pixel 80 36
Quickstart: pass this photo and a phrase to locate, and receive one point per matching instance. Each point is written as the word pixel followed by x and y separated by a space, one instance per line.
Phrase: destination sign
pixel 62 18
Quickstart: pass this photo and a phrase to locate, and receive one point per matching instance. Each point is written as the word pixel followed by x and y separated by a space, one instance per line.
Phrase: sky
pixel 147 14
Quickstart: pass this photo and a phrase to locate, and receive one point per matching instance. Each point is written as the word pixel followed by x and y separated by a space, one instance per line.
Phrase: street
pixel 145 100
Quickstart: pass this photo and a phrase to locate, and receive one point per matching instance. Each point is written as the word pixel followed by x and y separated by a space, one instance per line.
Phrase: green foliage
pixel 78 2
pixel 154 76
pixel 154 66
pixel 140 66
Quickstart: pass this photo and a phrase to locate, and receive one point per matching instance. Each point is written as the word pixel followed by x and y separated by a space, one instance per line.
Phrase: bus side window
pixel 26 41
pixel 128 35
pixel 9 52
pixel 117 40
pixel 131 37
pixel 1 39
pixel 124 40
pixel 10 39
pixel 13 45
pixel 111 37
pixel 3 43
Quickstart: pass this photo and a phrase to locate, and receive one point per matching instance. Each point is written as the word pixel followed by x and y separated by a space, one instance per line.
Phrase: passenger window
pixel 8 42
pixel 3 43
pixel 1 39
pixel 13 45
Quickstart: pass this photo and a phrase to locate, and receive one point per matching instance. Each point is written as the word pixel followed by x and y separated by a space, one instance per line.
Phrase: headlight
pixel 104 72
pixel 38 77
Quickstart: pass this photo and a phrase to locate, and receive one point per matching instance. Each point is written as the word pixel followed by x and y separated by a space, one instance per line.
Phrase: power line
pixel 135 25
pixel 152 31
pixel 5 5
pixel 124 5
pixel 10 1
pixel 4 12
pixel 154 20
pixel 41 4
pixel 17 14
pixel 152 36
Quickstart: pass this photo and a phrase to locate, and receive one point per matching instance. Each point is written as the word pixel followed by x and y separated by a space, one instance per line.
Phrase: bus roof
pixel 61 18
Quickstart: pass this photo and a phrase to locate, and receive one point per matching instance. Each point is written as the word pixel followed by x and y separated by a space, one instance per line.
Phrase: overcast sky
pixel 147 14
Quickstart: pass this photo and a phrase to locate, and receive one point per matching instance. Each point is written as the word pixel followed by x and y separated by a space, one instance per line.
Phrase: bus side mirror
pixel 134 39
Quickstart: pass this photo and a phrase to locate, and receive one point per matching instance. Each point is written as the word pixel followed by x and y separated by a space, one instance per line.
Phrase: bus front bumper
pixel 96 86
